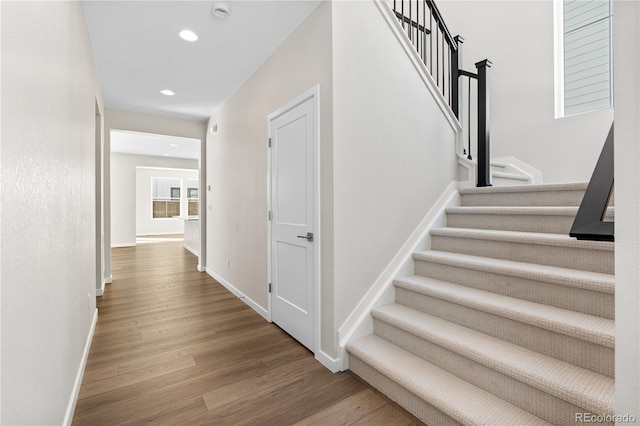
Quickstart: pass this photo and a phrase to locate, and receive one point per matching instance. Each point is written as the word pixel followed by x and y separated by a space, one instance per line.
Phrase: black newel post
pixel 456 88
pixel 484 118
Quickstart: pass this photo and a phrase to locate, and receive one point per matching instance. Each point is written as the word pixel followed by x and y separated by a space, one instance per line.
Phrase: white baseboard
pixel 332 364
pixel 359 322
pixel 201 268
pixel 240 295
pixel 192 250
pixel 120 245
pixel 71 407
pixel 100 291
pixel 108 280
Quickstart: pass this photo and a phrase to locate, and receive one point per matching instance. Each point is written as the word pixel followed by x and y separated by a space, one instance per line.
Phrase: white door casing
pixel 293 226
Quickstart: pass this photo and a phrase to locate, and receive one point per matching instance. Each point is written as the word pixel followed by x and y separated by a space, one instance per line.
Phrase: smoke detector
pixel 220 11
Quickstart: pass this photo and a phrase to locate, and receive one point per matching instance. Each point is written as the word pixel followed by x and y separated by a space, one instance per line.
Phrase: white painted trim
pixel 120 245
pixel 191 250
pixel 108 280
pixel 200 268
pixel 332 364
pixel 402 37
pixel 472 172
pixel 558 54
pixel 100 291
pixel 312 93
pixel 152 234
pixel 240 295
pixel 71 407
pixel 535 175
pixel 359 322
pixel 173 169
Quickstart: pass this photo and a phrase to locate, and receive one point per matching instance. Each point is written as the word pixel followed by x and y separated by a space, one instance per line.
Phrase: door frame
pixel 314 94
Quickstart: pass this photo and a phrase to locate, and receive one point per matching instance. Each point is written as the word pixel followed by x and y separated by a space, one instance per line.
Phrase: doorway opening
pixel 155 189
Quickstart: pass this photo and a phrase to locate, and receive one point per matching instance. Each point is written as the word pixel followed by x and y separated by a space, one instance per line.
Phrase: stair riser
pixel 525 223
pixel 529 398
pixel 409 401
pixel 542 198
pixel 582 353
pixel 576 299
pixel 564 257
pixel 503 181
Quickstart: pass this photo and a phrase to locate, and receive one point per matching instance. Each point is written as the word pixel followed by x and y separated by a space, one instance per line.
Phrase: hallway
pixel 173 346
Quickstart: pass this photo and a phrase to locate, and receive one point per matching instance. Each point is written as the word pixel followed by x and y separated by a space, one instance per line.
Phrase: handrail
pixel 442 25
pixel 417 19
pixel 589 223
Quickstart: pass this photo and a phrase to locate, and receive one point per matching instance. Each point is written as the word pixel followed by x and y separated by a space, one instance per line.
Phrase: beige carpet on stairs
pixel 506 321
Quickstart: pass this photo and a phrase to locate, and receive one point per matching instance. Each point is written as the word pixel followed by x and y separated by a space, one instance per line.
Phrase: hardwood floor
pixel 174 347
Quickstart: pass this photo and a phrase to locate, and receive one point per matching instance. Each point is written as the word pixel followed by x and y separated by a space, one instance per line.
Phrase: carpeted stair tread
pixel 563 194
pixel 516 210
pixel 520 210
pixel 595 281
pixel 540 219
pixel 535 238
pixel 458 399
pixel 573 186
pixel 600 331
pixel 573 384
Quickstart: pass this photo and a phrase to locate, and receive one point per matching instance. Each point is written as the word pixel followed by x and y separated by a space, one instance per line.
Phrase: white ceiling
pixel 138 51
pixel 125 142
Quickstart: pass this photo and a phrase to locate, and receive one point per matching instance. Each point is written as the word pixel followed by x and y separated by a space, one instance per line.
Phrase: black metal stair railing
pixel 442 56
pixel 590 223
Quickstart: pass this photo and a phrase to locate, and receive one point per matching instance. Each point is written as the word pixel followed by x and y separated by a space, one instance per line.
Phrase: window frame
pixel 559 62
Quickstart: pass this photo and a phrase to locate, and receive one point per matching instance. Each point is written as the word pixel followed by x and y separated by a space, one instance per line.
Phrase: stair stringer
pixel 360 322
pixel 467 171
pixel 514 165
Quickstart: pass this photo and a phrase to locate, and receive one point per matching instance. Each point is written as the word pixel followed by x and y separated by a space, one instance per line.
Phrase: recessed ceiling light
pixel 166 155
pixel 173 144
pixel 167 92
pixel 188 35
pixel 220 11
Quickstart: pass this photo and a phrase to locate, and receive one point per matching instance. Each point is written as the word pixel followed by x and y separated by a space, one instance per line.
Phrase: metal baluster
pixel 449 74
pixel 431 40
pixel 438 55
pixel 424 33
pixel 469 121
pixel 443 64
pixel 410 23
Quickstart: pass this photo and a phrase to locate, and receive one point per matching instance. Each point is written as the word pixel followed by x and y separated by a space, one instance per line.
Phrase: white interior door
pixel 293 234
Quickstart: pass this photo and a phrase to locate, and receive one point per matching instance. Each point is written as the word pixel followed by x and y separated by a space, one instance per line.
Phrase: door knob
pixel 308 237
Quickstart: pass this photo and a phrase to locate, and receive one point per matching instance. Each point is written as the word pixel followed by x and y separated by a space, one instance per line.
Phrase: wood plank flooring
pixel 174 347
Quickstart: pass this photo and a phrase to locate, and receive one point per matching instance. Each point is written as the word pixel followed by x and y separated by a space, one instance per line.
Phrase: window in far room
pixel 193 197
pixel 166 197
pixel 584 74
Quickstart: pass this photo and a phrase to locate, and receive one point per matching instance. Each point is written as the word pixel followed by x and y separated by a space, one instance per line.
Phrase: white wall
pixel 626 19
pixel 517 36
pixel 145 223
pixel 394 150
pixel 123 192
pixel 237 160
pixel 49 89
pixel 133 121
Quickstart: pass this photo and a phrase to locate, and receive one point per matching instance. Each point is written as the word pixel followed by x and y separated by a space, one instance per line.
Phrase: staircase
pixel 503 174
pixel 507 320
